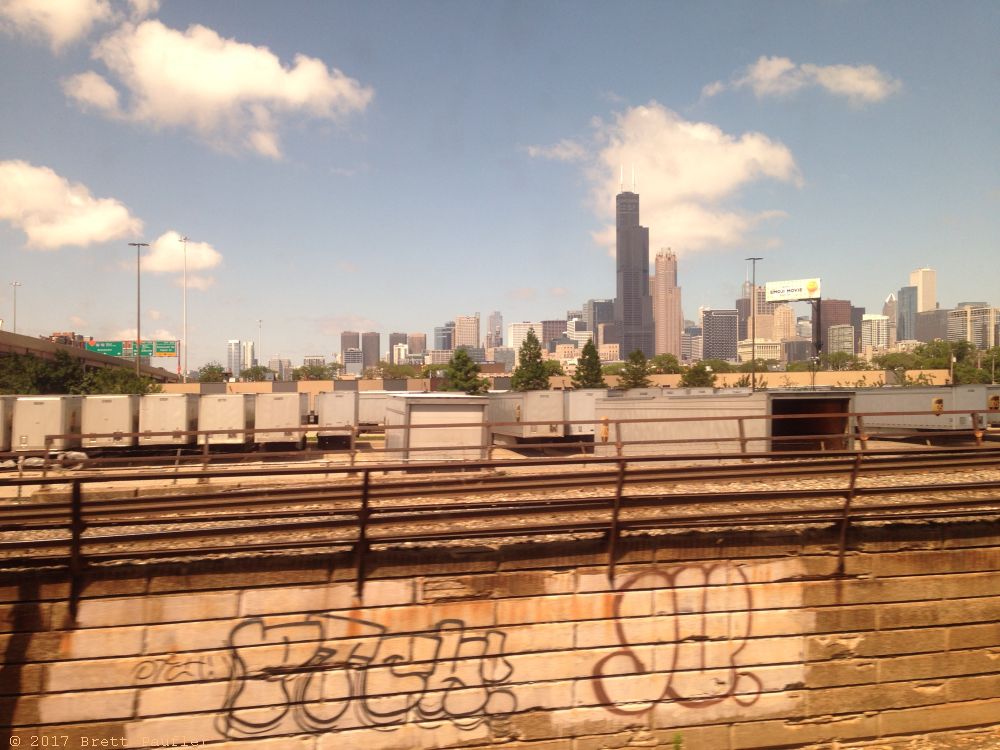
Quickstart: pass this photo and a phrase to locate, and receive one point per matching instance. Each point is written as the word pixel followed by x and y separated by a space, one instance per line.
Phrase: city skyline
pixel 397 187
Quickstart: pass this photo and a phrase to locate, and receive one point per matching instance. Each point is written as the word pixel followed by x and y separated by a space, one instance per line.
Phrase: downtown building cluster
pixel 646 315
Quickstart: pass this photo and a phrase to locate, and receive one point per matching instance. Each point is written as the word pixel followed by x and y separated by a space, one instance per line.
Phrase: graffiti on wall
pixel 697 662
pixel 327 672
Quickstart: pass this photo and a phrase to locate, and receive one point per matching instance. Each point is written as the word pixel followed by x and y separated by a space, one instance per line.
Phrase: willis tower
pixel 634 302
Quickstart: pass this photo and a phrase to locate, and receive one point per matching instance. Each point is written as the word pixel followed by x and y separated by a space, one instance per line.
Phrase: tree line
pixel 30 375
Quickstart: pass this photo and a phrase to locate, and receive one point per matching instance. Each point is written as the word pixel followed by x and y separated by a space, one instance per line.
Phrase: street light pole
pixel 753 324
pixel 138 314
pixel 184 324
pixel 15 284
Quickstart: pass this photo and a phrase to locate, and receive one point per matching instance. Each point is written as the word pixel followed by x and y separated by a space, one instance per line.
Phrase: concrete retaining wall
pixel 721 640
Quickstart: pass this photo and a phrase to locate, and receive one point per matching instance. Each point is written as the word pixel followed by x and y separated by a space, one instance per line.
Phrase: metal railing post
pixel 76 548
pixel 45 458
pixel 362 543
pixel 846 520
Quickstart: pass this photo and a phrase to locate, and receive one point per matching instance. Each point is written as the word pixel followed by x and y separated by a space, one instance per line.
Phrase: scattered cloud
pixel 334 325
pixel 234 96
pixel 687 176
pixel 523 293
pixel 154 314
pixel 195 281
pixel 167 255
pixel 780 77
pixel 128 334
pixel 59 23
pixel 346 266
pixel 558 291
pixel 77 321
pixel 565 150
pixel 54 212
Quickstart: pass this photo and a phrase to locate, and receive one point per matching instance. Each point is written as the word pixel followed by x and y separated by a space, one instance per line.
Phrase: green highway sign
pixel 127 348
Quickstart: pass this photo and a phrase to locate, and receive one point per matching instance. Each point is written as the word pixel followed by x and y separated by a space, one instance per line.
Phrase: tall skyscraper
pixel 633 303
pixel 444 336
pixel 833 312
pixel 349 340
pixel 925 280
pixel 466 331
pixel 719 330
pixel 247 355
pixel 371 345
pixel 516 332
pixel 394 339
pixel 906 314
pixel 889 310
pixel 597 311
pixel 494 329
pixel 551 329
pixel 416 343
pixel 784 322
pixel 668 320
pixel 874 332
pixel 234 357
pixel 857 315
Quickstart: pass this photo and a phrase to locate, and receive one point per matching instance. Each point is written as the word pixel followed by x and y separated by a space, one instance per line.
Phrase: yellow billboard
pixel 790 291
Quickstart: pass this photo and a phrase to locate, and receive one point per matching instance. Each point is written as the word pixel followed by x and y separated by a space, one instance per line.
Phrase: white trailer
pixel 993 405
pixel 6 420
pixel 282 414
pixel 117 414
pixel 38 416
pixel 172 413
pixel 928 400
pixel 336 415
pixel 580 404
pixel 371 407
pixel 407 440
pixel 527 406
pixel 233 412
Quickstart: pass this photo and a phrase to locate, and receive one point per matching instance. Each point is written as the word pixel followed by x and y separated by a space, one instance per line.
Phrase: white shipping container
pixel 529 406
pixel 38 416
pixel 580 404
pixel 283 413
pixel 168 412
pixel 337 409
pixel 6 421
pixel 993 404
pixel 232 412
pixel 371 407
pixel 110 414
pixel 922 399
pixel 450 443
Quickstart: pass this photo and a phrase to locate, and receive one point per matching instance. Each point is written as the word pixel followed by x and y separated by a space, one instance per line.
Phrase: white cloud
pixel 60 22
pixel 195 281
pixel 779 76
pixel 92 92
pixel 77 321
pixel 160 334
pixel 565 150
pixel 167 254
pixel 154 314
pixel 334 325
pixel 523 293
pixel 558 291
pixel 54 212
pixel 233 95
pixel 687 173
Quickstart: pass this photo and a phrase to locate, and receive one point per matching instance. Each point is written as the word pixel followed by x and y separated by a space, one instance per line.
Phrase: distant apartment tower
pixel 234 357
pixel 931 325
pixel 314 360
pixel 840 339
pixel 833 312
pixel 874 332
pixel 416 343
pixel 668 320
pixel 248 357
pixel 281 367
pixel 466 331
pixel 494 330
pixel 349 340
pixel 353 361
pixel 633 302
pixel 394 339
pixel 719 333
pixel 371 348
pixel 976 323
pixel 516 333
pixel 597 311
pixel 444 336
pixel 399 353
pixel 906 314
pixel 551 330
pixel 925 280
pixel 889 310
pixel 784 322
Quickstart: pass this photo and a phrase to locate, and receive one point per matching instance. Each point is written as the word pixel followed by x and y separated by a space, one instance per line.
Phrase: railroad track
pixel 317 508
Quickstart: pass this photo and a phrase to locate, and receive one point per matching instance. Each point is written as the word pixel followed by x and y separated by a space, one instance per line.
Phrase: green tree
pixel 552 367
pixel 665 364
pixel 719 365
pixel 698 376
pixel 256 374
pixel 529 375
pixel 432 371
pixel 313 372
pixel 588 368
pixel 615 368
pixel 213 372
pixel 28 375
pixel 117 380
pixel 399 371
pixel 635 373
pixel 463 375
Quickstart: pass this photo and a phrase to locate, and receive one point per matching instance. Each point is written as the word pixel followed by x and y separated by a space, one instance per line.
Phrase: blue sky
pixel 389 165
